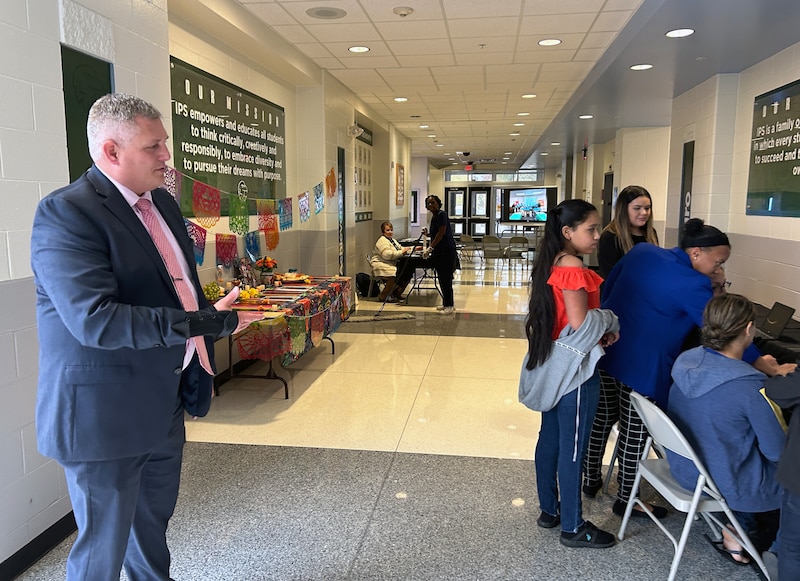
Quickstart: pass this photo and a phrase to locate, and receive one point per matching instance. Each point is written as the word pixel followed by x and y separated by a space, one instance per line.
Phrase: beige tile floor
pixel 454 395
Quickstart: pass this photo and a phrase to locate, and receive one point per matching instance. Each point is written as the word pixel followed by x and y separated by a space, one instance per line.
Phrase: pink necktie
pixel 188 300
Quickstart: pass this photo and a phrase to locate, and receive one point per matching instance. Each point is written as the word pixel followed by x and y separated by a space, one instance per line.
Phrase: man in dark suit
pixel 119 363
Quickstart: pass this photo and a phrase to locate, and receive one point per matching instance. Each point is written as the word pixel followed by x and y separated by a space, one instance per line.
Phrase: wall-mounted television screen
pixel 773 185
pixel 526 204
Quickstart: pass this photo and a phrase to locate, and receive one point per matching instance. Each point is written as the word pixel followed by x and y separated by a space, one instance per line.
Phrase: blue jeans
pixel 789 537
pixel 558 463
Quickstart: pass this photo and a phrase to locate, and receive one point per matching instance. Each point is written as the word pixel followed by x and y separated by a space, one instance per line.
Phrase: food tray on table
pixel 293 278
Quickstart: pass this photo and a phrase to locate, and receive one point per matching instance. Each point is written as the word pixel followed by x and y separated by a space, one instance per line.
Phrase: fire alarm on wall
pixel 468 166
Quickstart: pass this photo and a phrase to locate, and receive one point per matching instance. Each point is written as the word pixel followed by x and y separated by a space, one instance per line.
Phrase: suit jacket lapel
pixel 119 207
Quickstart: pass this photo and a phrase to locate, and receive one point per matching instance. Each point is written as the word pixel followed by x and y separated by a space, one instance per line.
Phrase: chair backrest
pixel 665 433
pixel 466 239
pixel 518 242
pixel 490 240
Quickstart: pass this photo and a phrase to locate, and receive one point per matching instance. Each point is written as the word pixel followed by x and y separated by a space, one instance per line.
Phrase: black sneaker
pixel 658 511
pixel 588 536
pixel 548 521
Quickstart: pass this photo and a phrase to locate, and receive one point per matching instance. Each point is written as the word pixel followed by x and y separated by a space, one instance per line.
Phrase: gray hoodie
pixel 571 362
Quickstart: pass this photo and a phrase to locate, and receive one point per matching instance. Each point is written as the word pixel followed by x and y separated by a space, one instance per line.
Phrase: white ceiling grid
pixel 463 64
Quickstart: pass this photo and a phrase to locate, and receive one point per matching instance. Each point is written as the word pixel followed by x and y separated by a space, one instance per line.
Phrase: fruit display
pixel 212 291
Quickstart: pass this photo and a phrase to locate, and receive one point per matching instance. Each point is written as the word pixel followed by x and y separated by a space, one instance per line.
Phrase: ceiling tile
pixel 611 21
pixel 419 47
pixel 272 14
pixel 545 56
pixel 480 29
pixel 435 60
pixel 549 26
pixel 408 29
pixel 492 44
pixel 537 7
pixel 296 34
pixel 357 32
pixel 455 9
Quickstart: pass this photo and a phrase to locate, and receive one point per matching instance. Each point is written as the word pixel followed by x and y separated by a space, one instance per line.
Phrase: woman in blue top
pixel 659 296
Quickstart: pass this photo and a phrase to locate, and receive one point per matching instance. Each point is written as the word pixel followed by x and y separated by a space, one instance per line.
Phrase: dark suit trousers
pixel 122 508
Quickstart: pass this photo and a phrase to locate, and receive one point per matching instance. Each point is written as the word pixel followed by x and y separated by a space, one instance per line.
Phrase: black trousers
pixel 445 265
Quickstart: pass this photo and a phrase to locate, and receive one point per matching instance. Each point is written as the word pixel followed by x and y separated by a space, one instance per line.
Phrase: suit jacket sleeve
pixel 96 266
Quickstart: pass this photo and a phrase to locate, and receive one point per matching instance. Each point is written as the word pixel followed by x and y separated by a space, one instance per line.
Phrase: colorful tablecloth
pixel 306 314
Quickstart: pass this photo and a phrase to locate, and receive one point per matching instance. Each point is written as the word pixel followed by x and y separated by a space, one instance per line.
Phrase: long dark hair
pixel 541 306
pixel 621 225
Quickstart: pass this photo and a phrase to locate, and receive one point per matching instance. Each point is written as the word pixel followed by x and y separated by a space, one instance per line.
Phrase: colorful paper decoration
pixel 226 249
pixel 285 213
pixel 205 204
pixel 238 217
pixel 271 234
pixel 198 236
pixel 305 207
pixel 252 243
pixel 319 198
pixel 264 208
pixel 173 182
pixel 330 183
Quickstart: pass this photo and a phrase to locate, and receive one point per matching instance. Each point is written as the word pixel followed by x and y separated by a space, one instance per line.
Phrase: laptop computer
pixel 776 321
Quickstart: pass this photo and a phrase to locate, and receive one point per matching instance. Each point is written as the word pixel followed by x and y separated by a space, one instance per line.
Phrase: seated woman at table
pixel 715 401
pixel 384 261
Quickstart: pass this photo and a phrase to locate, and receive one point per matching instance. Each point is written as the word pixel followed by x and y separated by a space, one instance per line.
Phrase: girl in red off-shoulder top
pixel 562 292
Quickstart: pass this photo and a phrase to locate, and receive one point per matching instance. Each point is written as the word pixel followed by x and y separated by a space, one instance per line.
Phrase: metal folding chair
pixel 704 500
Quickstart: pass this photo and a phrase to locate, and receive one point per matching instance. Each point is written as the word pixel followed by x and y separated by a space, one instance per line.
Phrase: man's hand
pixel 246 318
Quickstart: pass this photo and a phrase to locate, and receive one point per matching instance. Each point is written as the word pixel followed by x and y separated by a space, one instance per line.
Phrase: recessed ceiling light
pixel 641 67
pixel 585 116
pixel 508 153
pixel 519 125
pixel 453 163
pixel 522 114
pixel 424 126
pixel 549 42
pixel 544 153
pixel 555 143
pixel 451 158
pixel 440 145
pixel 401 99
pixel 514 134
pixel 358 49
pixel 680 33
pixel 326 13
pixel 431 135
pixel 529 96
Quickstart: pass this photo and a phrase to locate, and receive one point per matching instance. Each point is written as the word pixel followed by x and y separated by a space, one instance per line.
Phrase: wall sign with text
pixel 773 186
pixel 226 137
